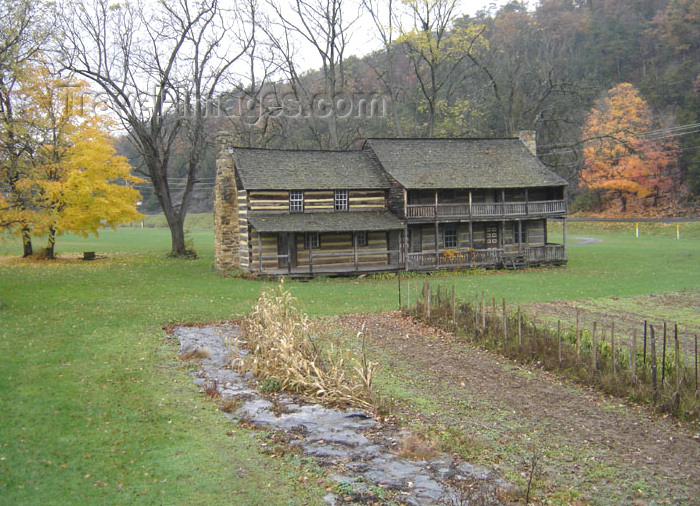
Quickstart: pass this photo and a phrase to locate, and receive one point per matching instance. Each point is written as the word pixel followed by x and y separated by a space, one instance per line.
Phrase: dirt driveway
pixel 590 447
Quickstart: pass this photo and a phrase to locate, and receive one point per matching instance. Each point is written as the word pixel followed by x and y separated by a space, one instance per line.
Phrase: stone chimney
pixel 528 137
pixel 226 252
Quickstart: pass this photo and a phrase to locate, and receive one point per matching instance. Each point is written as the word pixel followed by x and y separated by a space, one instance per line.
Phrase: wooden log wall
pixel 536 232
pixel 243 239
pixel 533 234
pixel 316 200
pixel 268 241
pixel 342 245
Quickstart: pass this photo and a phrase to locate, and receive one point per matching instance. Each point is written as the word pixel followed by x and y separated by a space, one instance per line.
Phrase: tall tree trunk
pixel 51 244
pixel 175 217
pixel 176 223
pixel 623 202
pixel 27 249
pixel 177 235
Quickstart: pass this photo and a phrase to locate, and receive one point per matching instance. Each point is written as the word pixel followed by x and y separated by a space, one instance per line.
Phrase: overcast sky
pixel 364 38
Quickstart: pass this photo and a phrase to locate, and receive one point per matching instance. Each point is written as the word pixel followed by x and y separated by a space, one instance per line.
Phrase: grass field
pixel 96 408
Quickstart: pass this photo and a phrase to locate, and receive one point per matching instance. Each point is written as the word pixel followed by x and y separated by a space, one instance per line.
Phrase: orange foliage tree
pixel 620 156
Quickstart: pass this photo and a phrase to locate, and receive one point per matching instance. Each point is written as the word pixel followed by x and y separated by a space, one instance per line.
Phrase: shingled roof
pixel 462 163
pixel 325 222
pixel 272 169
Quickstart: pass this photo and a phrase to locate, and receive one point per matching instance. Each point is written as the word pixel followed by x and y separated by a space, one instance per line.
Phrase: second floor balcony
pixel 485 210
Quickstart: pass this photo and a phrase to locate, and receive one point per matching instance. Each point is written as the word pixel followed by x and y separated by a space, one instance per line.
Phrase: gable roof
pixel 462 163
pixel 275 169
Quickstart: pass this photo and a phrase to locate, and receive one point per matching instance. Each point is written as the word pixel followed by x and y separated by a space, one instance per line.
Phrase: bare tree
pixel 159 65
pixel 384 17
pixel 437 49
pixel 325 26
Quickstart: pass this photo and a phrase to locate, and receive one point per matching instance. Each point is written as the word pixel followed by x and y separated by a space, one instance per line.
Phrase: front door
pixel 415 240
pixel 285 251
pixel 491 236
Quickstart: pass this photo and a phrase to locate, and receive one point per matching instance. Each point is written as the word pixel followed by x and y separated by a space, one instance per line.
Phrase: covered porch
pixel 308 244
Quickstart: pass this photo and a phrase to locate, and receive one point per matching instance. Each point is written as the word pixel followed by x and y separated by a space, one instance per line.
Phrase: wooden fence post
pixel 578 336
pixel 494 321
pixel 634 356
pixel 696 363
pixel 559 340
pixel 408 295
pixel 398 279
pixel 644 352
pixel 428 296
pixel 612 345
pixel 505 330
pixel 594 354
pixel 483 312
pixel 476 311
pixel 679 376
pixel 653 363
pixel 520 327
pixel 663 359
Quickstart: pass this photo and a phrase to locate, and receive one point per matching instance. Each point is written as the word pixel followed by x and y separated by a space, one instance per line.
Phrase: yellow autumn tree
pixel 619 157
pixel 73 181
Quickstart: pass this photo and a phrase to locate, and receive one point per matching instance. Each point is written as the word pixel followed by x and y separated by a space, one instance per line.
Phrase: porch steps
pixel 514 262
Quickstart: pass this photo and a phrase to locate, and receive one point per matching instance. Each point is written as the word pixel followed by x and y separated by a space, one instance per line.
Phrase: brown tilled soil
pixel 589 447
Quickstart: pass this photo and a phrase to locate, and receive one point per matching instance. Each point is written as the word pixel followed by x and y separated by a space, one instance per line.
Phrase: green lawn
pixel 95 408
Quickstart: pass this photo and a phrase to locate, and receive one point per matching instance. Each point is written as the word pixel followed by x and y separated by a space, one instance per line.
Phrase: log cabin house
pixel 396 204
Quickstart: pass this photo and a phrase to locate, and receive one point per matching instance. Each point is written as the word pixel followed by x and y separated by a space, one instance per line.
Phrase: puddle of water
pixel 345 442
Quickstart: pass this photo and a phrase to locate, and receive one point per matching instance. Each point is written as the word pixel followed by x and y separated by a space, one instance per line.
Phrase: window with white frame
pixel 312 240
pixel 449 238
pixel 341 200
pixel 296 201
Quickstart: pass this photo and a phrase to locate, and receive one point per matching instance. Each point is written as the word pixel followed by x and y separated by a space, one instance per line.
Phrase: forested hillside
pixel 549 67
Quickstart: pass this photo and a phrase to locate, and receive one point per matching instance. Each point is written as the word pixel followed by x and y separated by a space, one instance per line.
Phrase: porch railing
pixel 485 209
pixel 445 259
pixel 453 258
pixel 347 261
pixel 547 254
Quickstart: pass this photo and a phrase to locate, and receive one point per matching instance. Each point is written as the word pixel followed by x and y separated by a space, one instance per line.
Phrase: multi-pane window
pixel 312 240
pixel 449 237
pixel 296 201
pixel 341 200
pixel 361 239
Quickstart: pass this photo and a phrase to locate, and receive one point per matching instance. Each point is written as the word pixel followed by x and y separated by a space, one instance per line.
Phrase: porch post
pixel 290 238
pixel 436 204
pixel 503 202
pixel 437 250
pixel 520 236
pixel 470 204
pixel 405 247
pixel 527 202
pixel 471 235
pixel 564 238
pixel 354 248
pixel 311 255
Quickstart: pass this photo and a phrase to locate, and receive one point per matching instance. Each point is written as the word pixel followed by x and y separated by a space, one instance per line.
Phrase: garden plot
pixel 588 446
pixel 358 451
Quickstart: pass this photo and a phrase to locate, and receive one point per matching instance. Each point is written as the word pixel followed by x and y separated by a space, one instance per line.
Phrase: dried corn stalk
pixel 278 338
